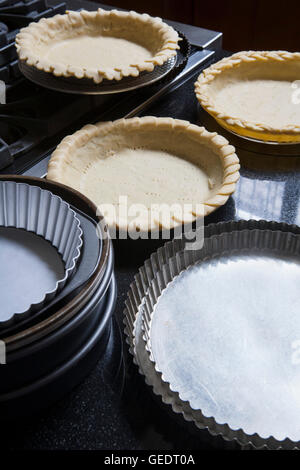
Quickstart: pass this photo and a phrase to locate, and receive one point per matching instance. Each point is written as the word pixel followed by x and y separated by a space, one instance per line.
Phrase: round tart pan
pixel 86 266
pixel 35 349
pixel 232 366
pixel 33 271
pixel 78 202
pixel 85 86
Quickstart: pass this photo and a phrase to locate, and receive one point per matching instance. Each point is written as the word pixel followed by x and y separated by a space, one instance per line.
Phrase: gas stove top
pixel 33 120
pixel 16 121
pixel 14 15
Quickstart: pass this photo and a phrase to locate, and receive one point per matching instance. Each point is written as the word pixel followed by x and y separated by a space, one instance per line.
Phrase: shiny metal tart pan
pixel 36 347
pixel 41 239
pixel 230 367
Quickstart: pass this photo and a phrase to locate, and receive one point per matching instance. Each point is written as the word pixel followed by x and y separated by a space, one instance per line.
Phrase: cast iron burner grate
pixel 13 16
pixel 22 123
pixel 32 114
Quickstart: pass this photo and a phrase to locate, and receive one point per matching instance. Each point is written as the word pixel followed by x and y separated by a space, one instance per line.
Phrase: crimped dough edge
pixel 239 125
pixel 27 37
pixel 218 143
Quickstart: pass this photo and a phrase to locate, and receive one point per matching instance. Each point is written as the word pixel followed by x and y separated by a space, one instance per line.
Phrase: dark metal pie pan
pixel 52 386
pixel 71 308
pixel 40 348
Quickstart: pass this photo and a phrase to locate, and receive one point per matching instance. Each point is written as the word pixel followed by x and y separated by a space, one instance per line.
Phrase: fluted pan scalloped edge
pixel 157 272
pixel 37 210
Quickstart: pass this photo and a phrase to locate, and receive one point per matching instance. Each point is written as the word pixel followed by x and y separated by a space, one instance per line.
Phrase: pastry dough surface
pixel 94 51
pixel 161 164
pixel 271 102
pixel 147 177
pixel 254 94
pixel 97 45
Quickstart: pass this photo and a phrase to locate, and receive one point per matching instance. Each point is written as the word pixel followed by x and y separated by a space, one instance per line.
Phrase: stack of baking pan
pixel 57 291
pixel 215 331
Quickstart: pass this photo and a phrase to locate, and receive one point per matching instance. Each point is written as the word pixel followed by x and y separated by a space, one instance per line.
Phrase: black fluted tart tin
pixel 45 348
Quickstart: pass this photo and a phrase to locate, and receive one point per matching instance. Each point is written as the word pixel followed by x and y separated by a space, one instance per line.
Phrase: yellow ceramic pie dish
pixel 149 163
pixel 254 94
pixel 97 45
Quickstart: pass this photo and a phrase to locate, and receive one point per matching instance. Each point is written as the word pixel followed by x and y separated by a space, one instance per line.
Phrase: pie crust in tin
pixel 97 45
pixel 149 160
pixel 254 94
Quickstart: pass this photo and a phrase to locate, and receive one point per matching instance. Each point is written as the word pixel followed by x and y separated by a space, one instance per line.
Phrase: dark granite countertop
pixel 112 408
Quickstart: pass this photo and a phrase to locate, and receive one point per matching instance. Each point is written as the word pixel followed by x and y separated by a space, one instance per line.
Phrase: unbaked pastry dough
pixel 251 93
pixel 87 51
pixel 97 45
pixel 151 161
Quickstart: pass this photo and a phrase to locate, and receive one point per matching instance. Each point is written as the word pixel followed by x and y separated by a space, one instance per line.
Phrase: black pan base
pixel 49 388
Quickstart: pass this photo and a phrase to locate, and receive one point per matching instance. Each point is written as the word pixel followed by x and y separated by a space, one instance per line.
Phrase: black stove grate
pixel 21 121
pixel 13 16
